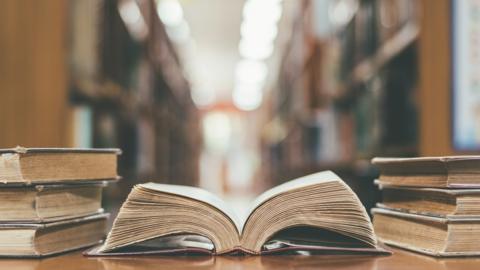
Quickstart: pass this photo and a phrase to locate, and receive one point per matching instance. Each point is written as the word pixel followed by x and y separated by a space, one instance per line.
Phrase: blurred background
pixel 238 96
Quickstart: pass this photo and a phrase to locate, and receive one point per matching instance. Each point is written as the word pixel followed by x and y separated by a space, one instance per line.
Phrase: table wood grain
pixel 399 260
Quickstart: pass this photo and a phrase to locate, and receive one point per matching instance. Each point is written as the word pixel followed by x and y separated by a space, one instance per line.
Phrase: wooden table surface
pixel 400 260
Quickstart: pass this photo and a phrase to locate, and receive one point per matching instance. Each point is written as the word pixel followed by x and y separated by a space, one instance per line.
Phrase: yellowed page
pixel 199 195
pixel 312 179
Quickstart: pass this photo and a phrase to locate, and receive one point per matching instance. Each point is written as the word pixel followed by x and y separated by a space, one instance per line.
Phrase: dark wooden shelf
pixel 367 68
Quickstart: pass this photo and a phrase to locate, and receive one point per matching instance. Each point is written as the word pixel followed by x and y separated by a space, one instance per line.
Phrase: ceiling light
pixel 170 12
pixel 264 10
pixel 133 19
pixel 261 33
pixel 247 97
pixel 251 71
pixel 251 50
pixel 179 33
pixel 341 12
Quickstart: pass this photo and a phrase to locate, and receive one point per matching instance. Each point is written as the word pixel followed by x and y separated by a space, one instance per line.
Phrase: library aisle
pixel 239 96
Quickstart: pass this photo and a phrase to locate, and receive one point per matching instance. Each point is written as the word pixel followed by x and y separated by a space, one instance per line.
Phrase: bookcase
pixel 376 84
pixel 138 96
pixel 80 74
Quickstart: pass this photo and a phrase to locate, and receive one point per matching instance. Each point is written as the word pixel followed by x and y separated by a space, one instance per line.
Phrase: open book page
pixel 239 221
pixel 199 195
pixel 312 179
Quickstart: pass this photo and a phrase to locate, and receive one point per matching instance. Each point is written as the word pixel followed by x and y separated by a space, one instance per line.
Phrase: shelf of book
pixel 346 97
pixel 138 95
pixel 368 68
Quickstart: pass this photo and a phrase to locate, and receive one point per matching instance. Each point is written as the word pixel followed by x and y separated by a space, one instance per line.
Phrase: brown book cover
pixel 25 166
pixel 435 236
pixel 48 203
pixel 441 172
pixel 453 203
pixel 45 239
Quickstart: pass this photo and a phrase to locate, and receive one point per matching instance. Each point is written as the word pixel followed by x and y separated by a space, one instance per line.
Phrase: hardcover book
pixel 437 172
pixel 24 166
pixel 451 203
pixel 46 203
pixel 318 212
pixel 434 236
pixel 43 239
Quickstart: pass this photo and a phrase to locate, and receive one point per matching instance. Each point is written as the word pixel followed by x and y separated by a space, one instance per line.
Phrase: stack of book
pixel 430 205
pixel 50 199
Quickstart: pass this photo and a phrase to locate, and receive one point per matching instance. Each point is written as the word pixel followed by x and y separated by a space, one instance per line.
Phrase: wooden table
pixel 400 260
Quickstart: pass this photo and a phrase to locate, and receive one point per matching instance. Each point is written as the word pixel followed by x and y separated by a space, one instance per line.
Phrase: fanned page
pixel 199 195
pixel 315 204
pixel 312 179
pixel 315 212
pixel 215 201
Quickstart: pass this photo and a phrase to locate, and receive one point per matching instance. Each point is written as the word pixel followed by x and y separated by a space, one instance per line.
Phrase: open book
pixel 315 212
